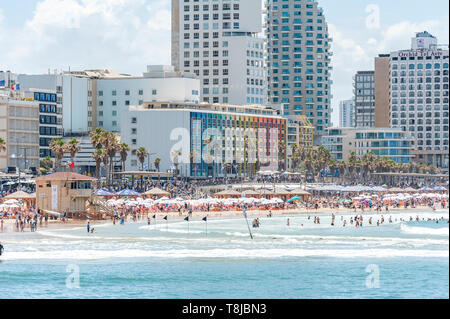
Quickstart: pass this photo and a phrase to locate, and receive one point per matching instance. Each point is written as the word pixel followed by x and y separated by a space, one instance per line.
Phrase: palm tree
pixel 110 145
pixel 57 147
pixel 123 150
pixel 97 138
pixel 2 145
pixel 46 164
pixel 72 148
pixel 98 156
pixel 175 155
pixel 141 154
pixel 157 162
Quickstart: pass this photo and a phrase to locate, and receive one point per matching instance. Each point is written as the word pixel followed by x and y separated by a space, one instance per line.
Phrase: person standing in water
pixel 288 222
pixel 88 226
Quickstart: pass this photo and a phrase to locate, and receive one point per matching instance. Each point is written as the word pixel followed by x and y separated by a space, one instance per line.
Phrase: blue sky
pixel 126 35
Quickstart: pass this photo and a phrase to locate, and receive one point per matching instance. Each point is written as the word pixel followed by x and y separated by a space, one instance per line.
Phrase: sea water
pixel 218 259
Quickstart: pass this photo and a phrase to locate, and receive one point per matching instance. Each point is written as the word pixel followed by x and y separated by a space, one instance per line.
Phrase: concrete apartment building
pixel 364 100
pixel 298 61
pixel 346 113
pixel 19 127
pixel 217 40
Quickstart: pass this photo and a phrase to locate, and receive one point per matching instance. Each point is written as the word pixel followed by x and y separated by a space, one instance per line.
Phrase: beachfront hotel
pixel 205 140
pixel 419 97
pixel 384 142
pixel 298 61
pixel 217 40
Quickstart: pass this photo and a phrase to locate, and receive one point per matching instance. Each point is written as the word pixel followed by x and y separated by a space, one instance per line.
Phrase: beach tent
pixel 30 199
pixel 103 192
pixel 127 192
pixel 294 199
pixel 426 188
pixel 157 192
pixel 440 188
pixel 410 190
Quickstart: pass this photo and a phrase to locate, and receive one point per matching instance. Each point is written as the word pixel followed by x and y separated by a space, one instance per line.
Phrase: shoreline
pixel 9 224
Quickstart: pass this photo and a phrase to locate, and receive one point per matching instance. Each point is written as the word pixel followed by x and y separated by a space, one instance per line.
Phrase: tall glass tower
pixel 298 61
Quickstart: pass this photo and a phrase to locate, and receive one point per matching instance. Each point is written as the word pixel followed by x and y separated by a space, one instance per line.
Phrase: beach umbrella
pixel 294 199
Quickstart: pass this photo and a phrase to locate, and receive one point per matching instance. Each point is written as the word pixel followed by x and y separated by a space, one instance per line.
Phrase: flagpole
pixel 248 226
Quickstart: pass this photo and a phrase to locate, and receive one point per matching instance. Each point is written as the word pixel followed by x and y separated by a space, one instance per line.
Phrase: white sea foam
pixel 424 230
pixel 221 253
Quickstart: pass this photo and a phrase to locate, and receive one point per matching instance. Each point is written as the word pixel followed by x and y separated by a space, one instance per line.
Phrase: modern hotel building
pixel 419 97
pixel 217 40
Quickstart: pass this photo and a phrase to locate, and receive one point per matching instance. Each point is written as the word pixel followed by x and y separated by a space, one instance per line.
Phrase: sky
pixel 128 35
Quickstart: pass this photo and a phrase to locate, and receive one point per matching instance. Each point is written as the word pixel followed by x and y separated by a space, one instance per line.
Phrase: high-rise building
pixel 419 97
pixel 298 61
pixel 364 89
pixel 217 41
pixel 346 113
pixel 382 63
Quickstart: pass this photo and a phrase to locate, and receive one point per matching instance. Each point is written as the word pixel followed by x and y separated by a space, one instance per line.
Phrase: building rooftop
pixel 424 34
pixel 61 176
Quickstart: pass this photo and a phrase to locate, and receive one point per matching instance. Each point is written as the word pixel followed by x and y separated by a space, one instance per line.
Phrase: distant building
pixel 213 139
pixel 217 41
pixel 19 127
pixel 419 97
pixel 364 89
pixel 346 113
pixel 385 142
pixel 96 98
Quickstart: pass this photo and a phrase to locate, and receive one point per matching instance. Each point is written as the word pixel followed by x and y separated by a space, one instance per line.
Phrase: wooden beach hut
pixel 301 193
pixel 251 193
pixel 282 193
pixel 265 193
pixel 228 194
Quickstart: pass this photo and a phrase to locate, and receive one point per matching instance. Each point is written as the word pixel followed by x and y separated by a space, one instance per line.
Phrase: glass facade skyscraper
pixel 298 61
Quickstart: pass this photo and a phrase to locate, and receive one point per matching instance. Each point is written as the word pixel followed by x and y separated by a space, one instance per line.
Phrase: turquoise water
pixel 181 260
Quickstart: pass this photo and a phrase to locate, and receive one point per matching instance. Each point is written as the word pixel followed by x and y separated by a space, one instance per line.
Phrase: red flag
pixel 72 165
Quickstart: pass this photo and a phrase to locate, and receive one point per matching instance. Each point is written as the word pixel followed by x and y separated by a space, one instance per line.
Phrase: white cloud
pixel 119 34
